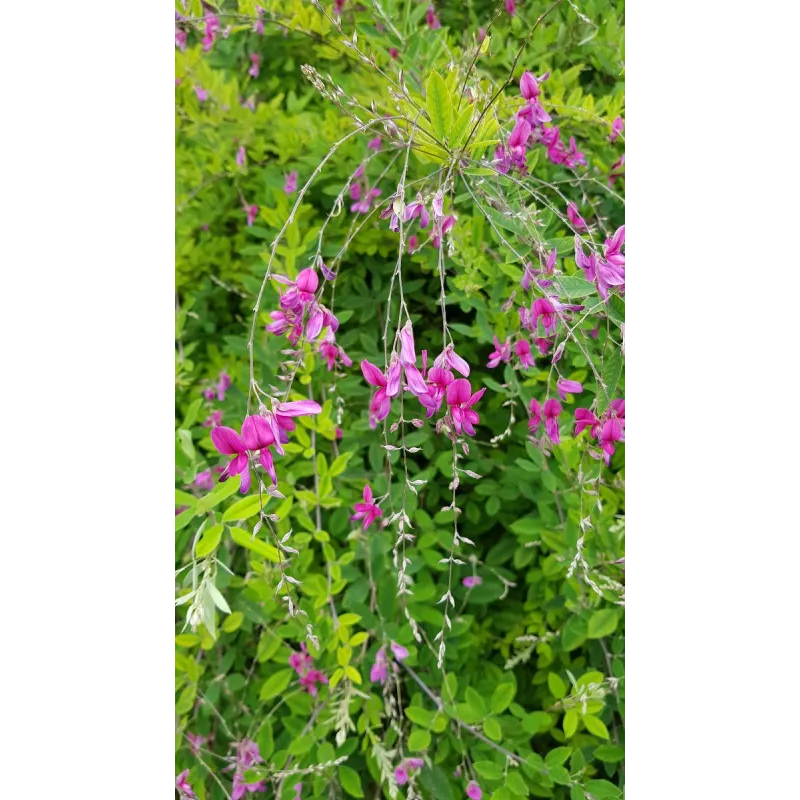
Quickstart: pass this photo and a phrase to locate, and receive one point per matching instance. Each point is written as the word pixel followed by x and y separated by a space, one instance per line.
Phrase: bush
pixel 386 190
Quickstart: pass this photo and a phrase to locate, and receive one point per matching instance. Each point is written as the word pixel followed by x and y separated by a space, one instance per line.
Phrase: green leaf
pixel 475 701
pixel 275 684
pixel 219 601
pixel 602 623
pixel 340 464
pixel 350 780
pixel 577 793
pixel 209 540
pixel 460 128
pixel 574 633
pixel 570 723
pixel 219 493
pixel 185 438
pixel 301 745
pixel 245 539
pixel 420 716
pixel 556 685
pixel 191 413
pixel 438 105
pixel 184 518
pixel 516 784
pixel 502 697
pixel 612 372
pixel 491 727
pixel 602 790
pixel 595 726
pixel 419 740
pixel 243 509
pixel 574 286
pixel 557 757
pixel 488 770
pixel 610 753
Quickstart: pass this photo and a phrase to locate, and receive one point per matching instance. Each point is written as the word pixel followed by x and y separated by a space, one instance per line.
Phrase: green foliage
pixel 534 661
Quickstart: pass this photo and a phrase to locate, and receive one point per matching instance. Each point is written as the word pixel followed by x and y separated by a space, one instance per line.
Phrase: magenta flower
pixel 576 220
pixel 471 581
pixel 607 430
pixel 460 401
pixel 180 39
pixel 616 129
pixel 511 7
pixel 202 94
pixel 431 19
pixel 290 185
pixel 380 667
pixel 401 775
pixel 213 420
pixel 281 422
pixel 367 510
pixel 301 661
pixel 381 402
pixel 393 52
pixel 584 418
pixel 374 144
pixel 536 415
pixel 415 763
pixel 398 651
pixel 241 157
pixel 196 741
pixel 223 385
pixel 310 680
pixel 566 387
pixel 551 411
pixel 211 30
pixel 502 352
pixel 408 360
pixel 257 437
pixel 252 213
pixel 438 381
pixel 474 791
pixel 182 785
pixel 333 354
pixel 255 67
pixel 413 243
pixel 240 787
pixel 520 134
pixel 441 227
pixel 449 358
pixel 543 309
pixel 204 480
pixel 522 350
pixel 417 210
pixel 528 86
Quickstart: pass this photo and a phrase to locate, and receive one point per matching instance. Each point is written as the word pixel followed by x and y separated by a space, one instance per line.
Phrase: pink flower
pixel 256 65
pixel 398 651
pixel 417 209
pixel 301 661
pixel 240 787
pixel 204 480
pixel 310 680
pixel 241 156
pixel 374 144
pixel 393 52
pixel 460 402
pixel 431 19
pixel 290 185
pixel 401 775
pixel 502 352
pixel 257 437
pixel 211 30
pixel 512 9
pixel 334 354
pixel 182 785
pixel 473 790
pixel 441 227
pixel 223 385
pixel 281 421
pixel 520 134
pixel 536 415
pixel 202 94
pixel 449 358
pixel 551 411
pixel 180 39
pixel 528 86
pixel 367 510
pixel 438 381
pixel 252 213
pixel 413 243
pixel 213 420
pixel 380 404
pixel 565 387
pixel 522 350
pixel 607 430
pixel 471 581
pixel 196 741
pixel 576 220
pixel 542 308
pixel 616 129
pixel 584 418
pixel 380 667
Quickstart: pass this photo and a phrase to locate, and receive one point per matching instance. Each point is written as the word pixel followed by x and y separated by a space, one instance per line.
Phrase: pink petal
pixel 227 441
pixel 372 375
pixel 458 392
pixel 256 432
pixel 299 408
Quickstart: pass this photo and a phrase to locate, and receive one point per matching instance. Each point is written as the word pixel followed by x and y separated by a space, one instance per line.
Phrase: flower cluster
pixel 367 510
pixel 544 310
pixel 184 787
pixel 607 270
pixel 259 434
pixel 406 765
pixel 247 756
pixel 303 664
pixel 608 429
pixel 300 313
pixel 550 412
pixel 380 667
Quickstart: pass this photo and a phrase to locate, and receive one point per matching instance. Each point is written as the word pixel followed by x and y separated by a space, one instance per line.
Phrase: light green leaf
pixel 350 780
pixel 191 413
pixel 502 697
pixel 219 601
pixel 208 541
pixel 602 623
pixel 438 105
pixel 219 493
pixel 595 726
pixel 275 684
pixel 491 727
pixel 419 740
pixel 574 633
pixel 570 723
pixel 460 127
pixel 556 686
pixel 488 770
pixel 245 539
pixel 243 509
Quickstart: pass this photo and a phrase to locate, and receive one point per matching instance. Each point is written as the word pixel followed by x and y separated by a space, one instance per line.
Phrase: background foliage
pixel 531 697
